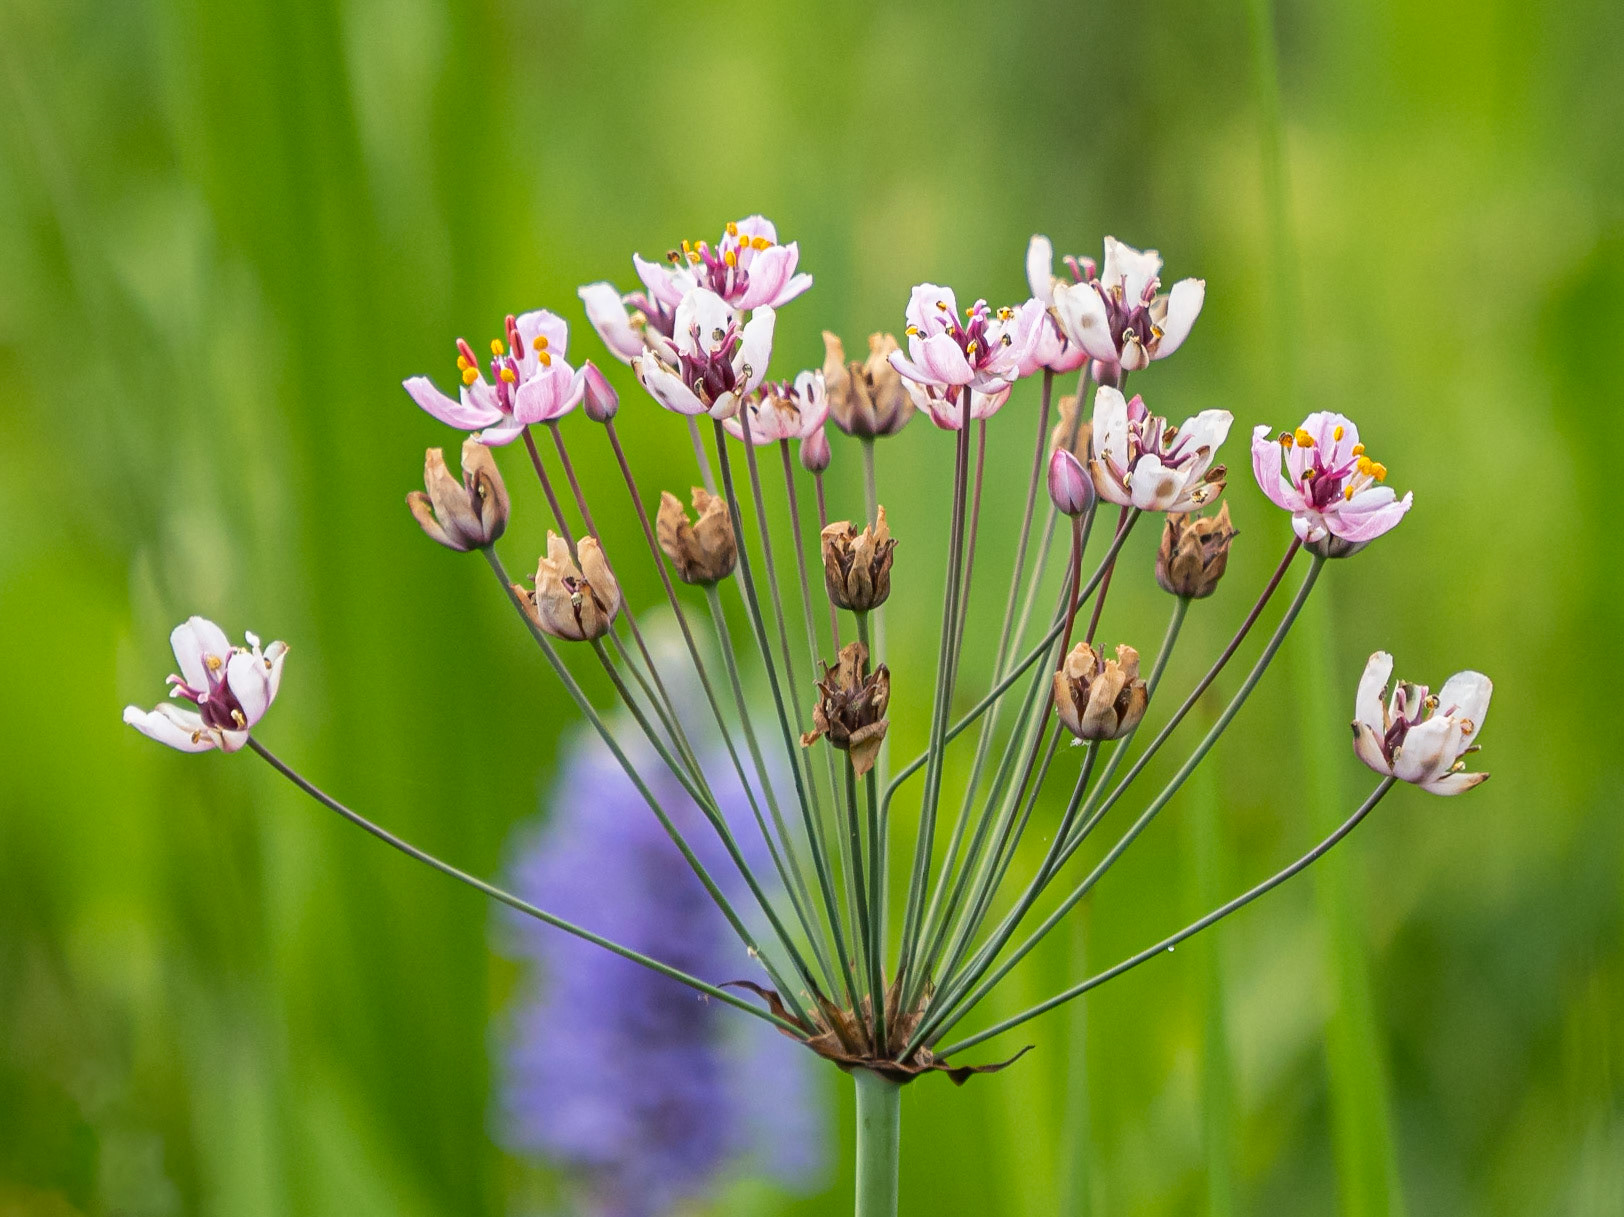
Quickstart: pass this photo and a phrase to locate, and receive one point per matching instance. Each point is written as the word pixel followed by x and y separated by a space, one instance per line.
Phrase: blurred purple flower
pixel 644 1093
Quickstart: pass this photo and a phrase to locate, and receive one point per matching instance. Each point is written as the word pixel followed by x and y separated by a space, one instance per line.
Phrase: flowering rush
pixel 1333 490
pixel 870 907
pixel 530 381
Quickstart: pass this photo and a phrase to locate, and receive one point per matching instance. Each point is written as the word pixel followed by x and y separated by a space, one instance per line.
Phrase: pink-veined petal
pixel 1465 698
pixel 665 286
pixel 1454 783
pixel 169 724
pixel 1183 307
pixel 467 414
pixel 1368 515
pixel 665 386
pixel 1429 749
pixel 1131 269
pixel 931 308
pixel 200 647
pixel 550 394
pixel 1266 468
pixel 940 358
pixel 1368 702
pixel 755 349
pixel 607 312
pixel 1367 747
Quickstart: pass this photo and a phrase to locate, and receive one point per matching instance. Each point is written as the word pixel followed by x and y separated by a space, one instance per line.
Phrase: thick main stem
pixel 879 1143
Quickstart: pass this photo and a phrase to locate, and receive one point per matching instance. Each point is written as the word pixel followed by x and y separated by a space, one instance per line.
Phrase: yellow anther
pixel 1337 434
pixel 545 358
pixel 237 717
pixel 1005 313
pixel 687 247
pixel 1348 493
pixel 732 229
pixel 693 259
pixel 1358 449
pixel 1365 465
pixel 214 662
pixel 509 376
pixel 497 348
pixel 1285 439
pixel 462 363
pixel 469 375
pixel 942 304
pixel 1379 471
pixel 731 258
pixel 539 342
pixel 912 331
pixel 971 349
pixel 759 243
pixel 1304 440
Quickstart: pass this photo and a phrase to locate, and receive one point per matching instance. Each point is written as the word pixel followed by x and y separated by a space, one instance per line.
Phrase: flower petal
pixel 1183 307
pixel 1084 319
pixel 1428 751
pixel 607 313
pixel 1266 468
pixel 1367 747
pixel 755 349
pixel 665 386
pixel 169 724
pixel 200 647
pixel 1131 269
pixel 1040 268
pixel 466 415
pixel 1454 783
pixel 1465 698
pixel 1368 702
pixel 1368 514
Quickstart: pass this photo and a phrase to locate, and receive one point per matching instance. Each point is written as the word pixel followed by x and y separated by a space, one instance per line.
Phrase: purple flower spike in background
pixel 645 1094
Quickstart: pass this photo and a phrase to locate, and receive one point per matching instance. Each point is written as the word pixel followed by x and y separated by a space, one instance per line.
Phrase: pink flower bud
pixel 815 452
pixel 1070 487
pixel 601 399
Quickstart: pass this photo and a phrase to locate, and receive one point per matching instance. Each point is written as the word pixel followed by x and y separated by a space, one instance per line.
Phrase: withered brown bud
pixel 1194 552
pixel 866 399
pixel 575 603
pixel 703 550
pixel 469 514
pixel 851 707
pixel 1079 431
pixel 857 565
pixel 1099 698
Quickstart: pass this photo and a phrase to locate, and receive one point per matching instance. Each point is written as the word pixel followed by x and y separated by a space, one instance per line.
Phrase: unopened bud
pixel 815 452
pixel 470 514
pixel 1071 490
pixel 1194 553
pixel 1099 698
pixel 703 550
pixel 850 709
pixel 601 400
pixel 575 603
pixel 866 399
pixel 857 565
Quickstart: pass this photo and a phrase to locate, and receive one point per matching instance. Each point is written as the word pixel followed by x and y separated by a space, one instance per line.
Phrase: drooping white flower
pixel 1332 489
pixel 1119 316
pixel 530 381
pixel 231 688
pixel 1417 737
pixel 1140 461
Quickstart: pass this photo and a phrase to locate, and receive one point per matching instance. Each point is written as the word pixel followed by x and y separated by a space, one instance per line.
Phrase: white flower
pixel 719 360
pixel 231 687
pixel 779 410
pixel 1119 318
pixel 1139 461
pixel 1419 738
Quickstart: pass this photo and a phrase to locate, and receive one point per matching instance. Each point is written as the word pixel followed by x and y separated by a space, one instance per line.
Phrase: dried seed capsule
pixel 470 514
pixel 703 550
pixel 1194 553
pixel 1099 698
pixel 857 565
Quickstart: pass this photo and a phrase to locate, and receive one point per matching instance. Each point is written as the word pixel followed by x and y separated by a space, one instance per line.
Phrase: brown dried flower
pixel 857 565
pixel 865 399
pixel 851 707
pixel 469 514
pixel 1099 698
pixel 1194 552
pixel 570 602
pixel 704 550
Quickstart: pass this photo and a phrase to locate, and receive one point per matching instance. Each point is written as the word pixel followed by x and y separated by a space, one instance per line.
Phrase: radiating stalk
pixel 547 489
pixel 1195 927
pixel 508 898
pixel 700 458
pixel 879 1144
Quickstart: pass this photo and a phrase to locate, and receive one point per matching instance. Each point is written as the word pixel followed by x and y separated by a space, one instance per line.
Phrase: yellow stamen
pixel 462 363
pixel 693 259
pixel 469 375
pixel 1337 434
pixel 539 342
pixel 1285 439
pixel 732 229
pixel 1347 494
pixel 731 258
pixel 942 304
pixel 1358 449
pixel 508 375
pixel 912 331
pixel 545 358
pixel 759 243
pixel 497 348
pixel 1304 440
pixel 1379 471
pixel 1365 465
pixel 214 662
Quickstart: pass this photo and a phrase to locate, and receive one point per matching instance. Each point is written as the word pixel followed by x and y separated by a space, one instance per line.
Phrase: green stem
pixel 879 1143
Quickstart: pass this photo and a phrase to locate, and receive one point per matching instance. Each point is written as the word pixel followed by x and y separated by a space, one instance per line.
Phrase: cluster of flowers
pixel 846 979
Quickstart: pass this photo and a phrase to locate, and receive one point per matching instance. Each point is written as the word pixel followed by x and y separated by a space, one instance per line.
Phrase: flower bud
pixel 1071 490
pixel 857 565
pixel 470 514
pixel 1074 434
pixel 575 603
pixel 866 399
pixel 601 400
pixel 1194 552
pixel 851 707
pixel 703 551
pixel 815 452
pixel 1099 698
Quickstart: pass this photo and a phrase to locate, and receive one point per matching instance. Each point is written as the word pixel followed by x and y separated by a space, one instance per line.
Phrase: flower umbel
pixel 1415 736
pixel 231 687
pixel 1331 487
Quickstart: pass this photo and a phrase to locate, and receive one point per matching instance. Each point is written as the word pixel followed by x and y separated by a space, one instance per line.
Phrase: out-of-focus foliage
pixel 228 228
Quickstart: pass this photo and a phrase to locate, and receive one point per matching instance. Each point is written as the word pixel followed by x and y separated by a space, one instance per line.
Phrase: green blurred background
pixel 229 229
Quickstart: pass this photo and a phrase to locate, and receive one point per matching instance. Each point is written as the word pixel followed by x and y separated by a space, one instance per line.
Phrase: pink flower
pixel 946 357
pixel 231 688
pixel 1417 738
pixel 781 411
pixel 1038 334
pixel 530 382
pixel 716 360
pixel 1118 318
pixel 748 268
pixel 1140 461
pixel 1332 489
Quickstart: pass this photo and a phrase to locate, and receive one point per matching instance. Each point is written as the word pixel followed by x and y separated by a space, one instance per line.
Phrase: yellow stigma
pixel 539 342
pixel 469 375
pixel 1304 440
pixel 759 243
pixel 1337 434
pixel 508 375
pixel 1358 449
pixel 497 348
pixel 462 363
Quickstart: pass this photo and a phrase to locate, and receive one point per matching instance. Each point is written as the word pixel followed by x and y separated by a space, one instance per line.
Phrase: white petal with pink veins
pixel 169 724
pixel 931 309
pixel 607 312
pixel 1266 468
pixel 467 414
pixel 1367 703
pixel 1429 749
pixel 664 285
pixel 1131 269
pixel 665 386
pixel 550 394
pixel 702 323
pixel 1368 748
pixel 755 349
pixel 1454 783
pixel 1183 307
pixel 1465 698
